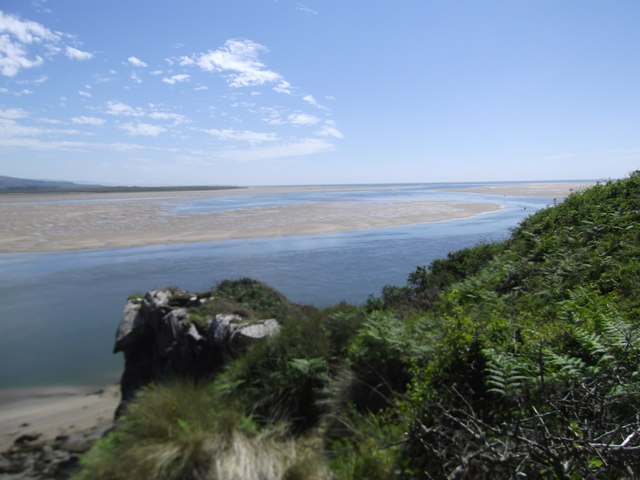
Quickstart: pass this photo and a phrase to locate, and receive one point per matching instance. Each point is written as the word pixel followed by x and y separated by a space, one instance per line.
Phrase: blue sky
pixel 276 92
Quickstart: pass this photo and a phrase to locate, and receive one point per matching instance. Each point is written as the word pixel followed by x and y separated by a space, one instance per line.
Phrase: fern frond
pixel 566 364
pixel 506 374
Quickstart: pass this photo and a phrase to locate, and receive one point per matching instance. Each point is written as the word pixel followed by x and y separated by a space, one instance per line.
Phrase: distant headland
pixel 25 185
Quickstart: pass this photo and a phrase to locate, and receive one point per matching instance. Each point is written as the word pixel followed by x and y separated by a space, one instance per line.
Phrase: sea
pixel 60 310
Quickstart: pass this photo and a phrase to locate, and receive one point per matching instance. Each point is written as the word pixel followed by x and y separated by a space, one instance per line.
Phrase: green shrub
pixel 255 296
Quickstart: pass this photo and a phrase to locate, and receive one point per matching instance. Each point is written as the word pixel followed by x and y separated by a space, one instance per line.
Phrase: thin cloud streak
pixel 136 62
pixel 142 129
pixel 76 54
pixel 176 79
pixel 88 120
pixel 241 136
pixel 298 148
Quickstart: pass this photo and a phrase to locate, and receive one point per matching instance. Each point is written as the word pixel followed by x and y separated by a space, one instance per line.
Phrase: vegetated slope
pixel 511 360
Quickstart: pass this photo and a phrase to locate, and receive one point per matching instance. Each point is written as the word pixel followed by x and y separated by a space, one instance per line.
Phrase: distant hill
pixel 24 184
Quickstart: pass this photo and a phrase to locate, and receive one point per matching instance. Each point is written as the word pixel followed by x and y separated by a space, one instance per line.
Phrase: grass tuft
pixel 174 432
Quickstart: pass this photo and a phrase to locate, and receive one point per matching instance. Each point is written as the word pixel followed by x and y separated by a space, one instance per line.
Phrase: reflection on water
pixel 60 310
pixel 261 200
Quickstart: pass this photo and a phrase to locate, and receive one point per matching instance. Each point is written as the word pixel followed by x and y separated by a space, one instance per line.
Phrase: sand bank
pixel 73 221
pixel 541 189
pixel 52 412
pixel 69 222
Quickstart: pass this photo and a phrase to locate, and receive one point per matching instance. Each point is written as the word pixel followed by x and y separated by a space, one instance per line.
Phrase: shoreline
pixel 49 413
pixel 76 221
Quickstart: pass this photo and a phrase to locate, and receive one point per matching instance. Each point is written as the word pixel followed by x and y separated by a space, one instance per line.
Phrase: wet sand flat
pixel 49 412
pixel 74 221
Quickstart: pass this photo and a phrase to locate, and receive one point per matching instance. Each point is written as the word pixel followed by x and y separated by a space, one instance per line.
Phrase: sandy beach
pixel 47 413
pixel 73 221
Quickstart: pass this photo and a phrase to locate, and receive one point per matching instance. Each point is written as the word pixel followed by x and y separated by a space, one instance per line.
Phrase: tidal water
pixel 60 311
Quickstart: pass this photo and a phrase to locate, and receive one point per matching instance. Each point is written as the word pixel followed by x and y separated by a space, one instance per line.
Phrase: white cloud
pixel 76 54
pixel 20 39
pixel 312 101
pixel 13 113
pixel 37 81
pixel 242 135
pixel 13 57
pixel 176 79
pixel 275 116
pixel 88 120
pixel 329 130
pixel 200 88
pixel 40 6
pixel 300 119
pixel 119 108
pixel 25 31
pixel 176 117
pixel 10 130
pixel 298 148
pixel 306 9
pixel 239 60
pixel 52 121
pixel 143 129
pixel 284 87
pixel 67 145
pixel 272 116
pixel 82 93
pixel 136 62
pixel 136 78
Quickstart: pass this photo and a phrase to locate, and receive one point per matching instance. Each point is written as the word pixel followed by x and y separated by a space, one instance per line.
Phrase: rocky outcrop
pixel 172 333
pixel 31 457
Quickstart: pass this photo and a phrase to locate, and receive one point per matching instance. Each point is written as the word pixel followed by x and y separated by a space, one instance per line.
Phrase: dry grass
pixel 174 432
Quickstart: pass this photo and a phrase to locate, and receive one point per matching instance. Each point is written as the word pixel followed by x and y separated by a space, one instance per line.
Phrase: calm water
pixel 60 311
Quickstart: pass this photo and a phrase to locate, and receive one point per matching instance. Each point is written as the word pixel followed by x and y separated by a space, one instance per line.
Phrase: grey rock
pixel 47 455
pixel 8 466
pixel 160 342
pixel 222 327
pixel 131 326
pixel 27 438
pixel 193 333
pixel 261 329
pixel 225 328
pixel 74 443
pixel 157 298
pixel 170 330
